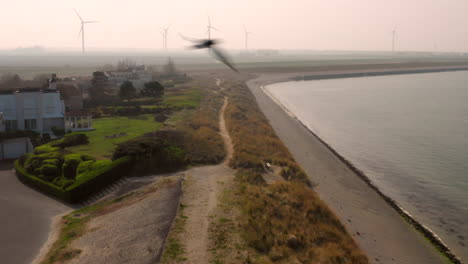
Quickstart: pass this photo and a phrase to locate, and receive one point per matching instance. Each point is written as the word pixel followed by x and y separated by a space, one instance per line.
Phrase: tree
pixel 100 89
pixel 170 69
pixel 127 90
pixel 153 89
pixel 10 79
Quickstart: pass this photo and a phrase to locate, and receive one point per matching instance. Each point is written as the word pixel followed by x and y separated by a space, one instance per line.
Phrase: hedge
pixel 87 184
pixel 40 184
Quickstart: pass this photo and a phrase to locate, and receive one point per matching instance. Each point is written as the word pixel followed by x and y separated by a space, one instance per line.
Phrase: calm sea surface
pixel 408 133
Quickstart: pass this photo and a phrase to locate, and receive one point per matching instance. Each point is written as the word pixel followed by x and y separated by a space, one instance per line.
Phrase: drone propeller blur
pixel 211 44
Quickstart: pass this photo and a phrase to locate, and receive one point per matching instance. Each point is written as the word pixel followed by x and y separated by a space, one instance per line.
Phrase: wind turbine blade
pixel 88 22
pixel 209 21
pixel 76 12
pixel 81 30
pixel 214 28
pixel 191 39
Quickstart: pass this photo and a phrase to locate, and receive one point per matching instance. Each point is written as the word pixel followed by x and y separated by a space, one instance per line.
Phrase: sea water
pixel 407 133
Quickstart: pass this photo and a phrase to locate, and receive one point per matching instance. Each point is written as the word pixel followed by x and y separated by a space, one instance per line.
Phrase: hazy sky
pixel 278 24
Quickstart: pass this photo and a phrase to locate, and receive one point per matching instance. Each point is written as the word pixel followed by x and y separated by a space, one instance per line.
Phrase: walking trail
pixel 200 196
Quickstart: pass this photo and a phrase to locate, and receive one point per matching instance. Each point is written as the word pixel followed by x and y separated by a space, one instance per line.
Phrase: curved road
pixel 25 218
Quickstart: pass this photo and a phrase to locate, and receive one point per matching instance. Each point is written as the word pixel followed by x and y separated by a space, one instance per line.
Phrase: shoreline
pixel 426 232
pixel 263 80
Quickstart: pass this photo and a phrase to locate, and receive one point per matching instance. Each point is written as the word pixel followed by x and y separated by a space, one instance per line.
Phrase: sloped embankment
pixel 284 222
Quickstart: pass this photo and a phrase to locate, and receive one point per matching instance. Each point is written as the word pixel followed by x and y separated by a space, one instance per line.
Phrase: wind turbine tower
pixel 246 37
pixel 165 33
pixel 209 28
pixel 82 30
pixel 393 39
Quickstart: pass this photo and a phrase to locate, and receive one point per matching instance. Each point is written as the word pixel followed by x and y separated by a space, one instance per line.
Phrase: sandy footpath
pixel 200 196
pixel 378 229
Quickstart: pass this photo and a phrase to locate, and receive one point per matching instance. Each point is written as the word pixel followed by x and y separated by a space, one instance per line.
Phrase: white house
pixel 32 109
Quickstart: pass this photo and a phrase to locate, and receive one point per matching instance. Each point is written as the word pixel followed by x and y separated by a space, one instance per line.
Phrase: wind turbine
pixel 393 39
pixel 210 27
pixel 164 33
pixel 246 37
pixel 82 30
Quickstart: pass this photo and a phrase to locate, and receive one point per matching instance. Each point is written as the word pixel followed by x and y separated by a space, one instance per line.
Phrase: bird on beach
pixel 210 44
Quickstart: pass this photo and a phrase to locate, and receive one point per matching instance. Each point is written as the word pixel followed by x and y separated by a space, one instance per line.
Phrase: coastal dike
pixel 382 229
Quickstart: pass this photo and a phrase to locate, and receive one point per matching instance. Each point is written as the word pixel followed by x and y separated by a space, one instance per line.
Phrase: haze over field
pixel 421 25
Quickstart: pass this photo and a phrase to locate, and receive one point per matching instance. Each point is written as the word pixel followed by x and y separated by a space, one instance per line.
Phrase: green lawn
pixel 190 98
pixel 101 147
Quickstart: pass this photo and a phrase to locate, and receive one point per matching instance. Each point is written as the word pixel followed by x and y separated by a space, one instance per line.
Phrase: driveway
pixel 25 218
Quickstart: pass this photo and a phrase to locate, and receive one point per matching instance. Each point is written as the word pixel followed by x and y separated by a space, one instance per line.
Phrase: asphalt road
pixel 25 218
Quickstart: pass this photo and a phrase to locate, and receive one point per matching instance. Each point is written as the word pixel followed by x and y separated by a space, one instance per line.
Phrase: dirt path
pixel 200 195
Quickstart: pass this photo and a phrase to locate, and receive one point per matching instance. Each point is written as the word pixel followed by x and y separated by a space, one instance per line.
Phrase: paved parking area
pixel 25 218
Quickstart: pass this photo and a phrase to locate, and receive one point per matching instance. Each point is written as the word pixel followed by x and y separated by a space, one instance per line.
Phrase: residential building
pixel 32 109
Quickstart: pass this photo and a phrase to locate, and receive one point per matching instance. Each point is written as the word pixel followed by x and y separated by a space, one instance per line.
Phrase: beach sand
pixel 377 227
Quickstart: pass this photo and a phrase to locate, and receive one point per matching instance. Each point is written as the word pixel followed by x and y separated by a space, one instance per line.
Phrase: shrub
pixel 158 151
pixel 63 183
pixel 83 167
pixel 101 174
pixel 49 170
pixel 71 140
pixel 70 165
pixel 45 149
pixel 59 132
pixel 22 159
pixel 38 183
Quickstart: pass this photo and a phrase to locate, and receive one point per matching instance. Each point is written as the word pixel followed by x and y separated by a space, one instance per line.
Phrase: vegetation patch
pixel 102 146
pixel 174 251
pixel 187 98
pixel 70 177
pixel 226 245
pixel 284 222
pixel 255 142
pixel 202 142
pixel 160 151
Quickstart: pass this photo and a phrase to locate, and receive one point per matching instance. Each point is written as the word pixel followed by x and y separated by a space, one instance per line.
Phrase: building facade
pixel 32 109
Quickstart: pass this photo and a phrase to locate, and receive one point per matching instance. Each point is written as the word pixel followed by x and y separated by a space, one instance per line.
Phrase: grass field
pixel 101 147
pixel 183 99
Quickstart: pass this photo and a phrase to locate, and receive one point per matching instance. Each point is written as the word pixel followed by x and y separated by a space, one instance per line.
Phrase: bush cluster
pixel 51 164
pixel 70 177
pixel 154 152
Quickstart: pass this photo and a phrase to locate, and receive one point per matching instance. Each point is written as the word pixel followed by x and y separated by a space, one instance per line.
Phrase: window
pixel 11 125
pixel 30 124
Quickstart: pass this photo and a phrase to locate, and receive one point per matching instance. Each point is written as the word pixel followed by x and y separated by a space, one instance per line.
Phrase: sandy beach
pixel 376 226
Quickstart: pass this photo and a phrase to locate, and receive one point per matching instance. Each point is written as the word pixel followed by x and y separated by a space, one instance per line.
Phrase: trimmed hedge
pixel 40 184
pixel 88 183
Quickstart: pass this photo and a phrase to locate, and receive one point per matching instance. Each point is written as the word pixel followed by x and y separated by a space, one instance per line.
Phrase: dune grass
pixel 284 222
pixel 122 128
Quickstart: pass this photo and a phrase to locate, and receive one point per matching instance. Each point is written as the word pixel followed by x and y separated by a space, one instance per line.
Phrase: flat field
pixel 110 131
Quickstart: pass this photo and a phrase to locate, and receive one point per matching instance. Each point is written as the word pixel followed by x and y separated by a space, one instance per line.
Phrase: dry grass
pixel 255 142
pixel 284 222
pixel 203 144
